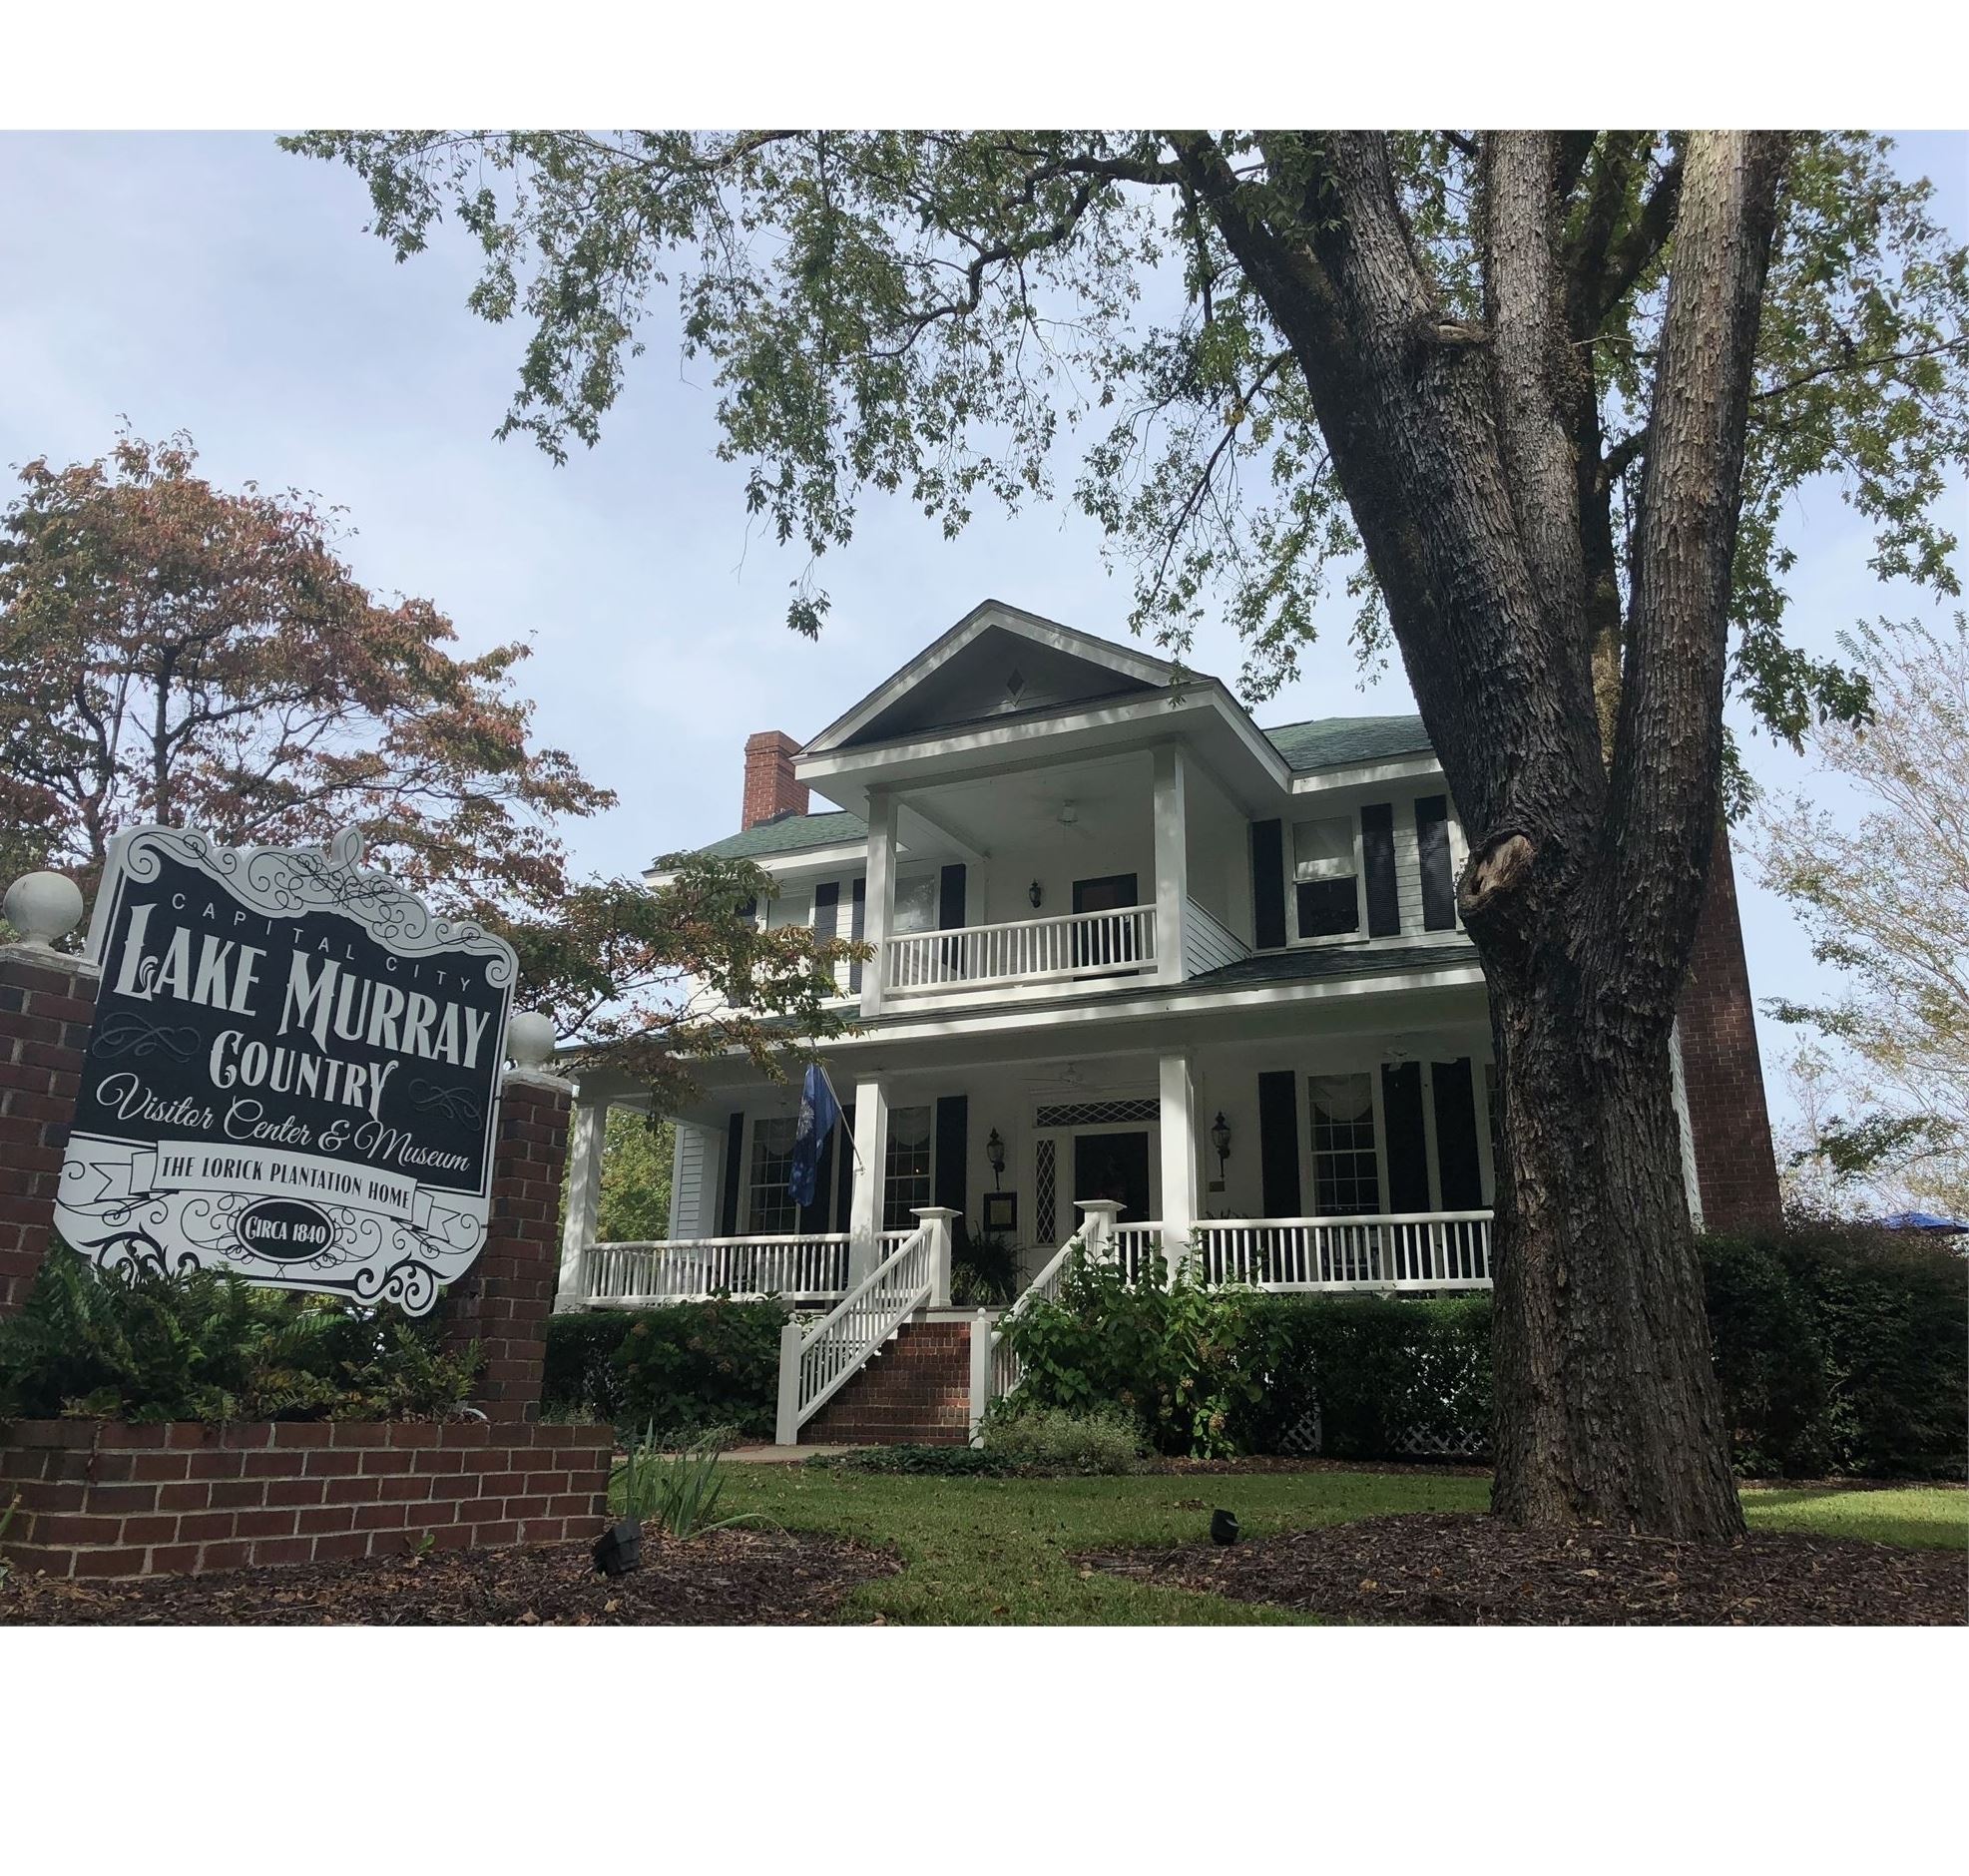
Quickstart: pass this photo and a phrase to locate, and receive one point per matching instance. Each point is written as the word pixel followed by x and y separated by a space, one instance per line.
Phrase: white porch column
pixel 1177 1137
pixel 587 1133
pixel 871 1152
pixel 1172 861
pixel 878 910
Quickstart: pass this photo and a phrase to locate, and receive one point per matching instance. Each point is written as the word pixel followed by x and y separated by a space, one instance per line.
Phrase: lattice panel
pixel 1430 1443
pixel 1045 1192
pixel 1097 1112
pixel 1304 1437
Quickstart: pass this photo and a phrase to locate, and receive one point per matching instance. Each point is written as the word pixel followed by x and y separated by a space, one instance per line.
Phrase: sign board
pixel 293 1071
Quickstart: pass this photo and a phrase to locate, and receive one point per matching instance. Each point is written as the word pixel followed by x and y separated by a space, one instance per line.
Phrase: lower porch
pixel 1326 1163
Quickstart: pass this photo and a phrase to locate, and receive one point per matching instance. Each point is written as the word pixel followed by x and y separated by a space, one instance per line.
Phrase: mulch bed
pixel 727 1576
pixel 1466 1568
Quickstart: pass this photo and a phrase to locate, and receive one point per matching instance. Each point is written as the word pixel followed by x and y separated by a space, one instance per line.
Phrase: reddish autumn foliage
pixel 174 652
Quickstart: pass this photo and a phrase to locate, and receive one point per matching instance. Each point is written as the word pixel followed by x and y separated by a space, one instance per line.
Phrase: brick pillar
pixel 503 1301
pixel 47 1003
pixel 1736 1169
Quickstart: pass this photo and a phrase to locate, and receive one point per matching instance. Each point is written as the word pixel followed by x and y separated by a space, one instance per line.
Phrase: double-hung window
pixel 906 1183
pixel 1326 877
pixel 1346 1176
pixel 769 1206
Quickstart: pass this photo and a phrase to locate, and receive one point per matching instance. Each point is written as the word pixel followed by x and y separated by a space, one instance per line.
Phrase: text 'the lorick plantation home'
pixel 1142 971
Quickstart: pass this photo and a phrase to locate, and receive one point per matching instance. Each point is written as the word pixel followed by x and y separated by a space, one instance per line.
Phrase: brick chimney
pixel 1736 1169
pixel 770 789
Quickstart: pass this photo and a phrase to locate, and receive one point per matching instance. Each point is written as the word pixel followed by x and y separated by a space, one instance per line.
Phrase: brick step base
pixel 916 1392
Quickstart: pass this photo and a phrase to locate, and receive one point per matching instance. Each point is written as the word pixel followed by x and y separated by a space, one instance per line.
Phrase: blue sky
pixel 212 283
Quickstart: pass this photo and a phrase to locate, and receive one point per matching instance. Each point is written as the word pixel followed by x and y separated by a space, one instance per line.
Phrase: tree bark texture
pixel 1464 454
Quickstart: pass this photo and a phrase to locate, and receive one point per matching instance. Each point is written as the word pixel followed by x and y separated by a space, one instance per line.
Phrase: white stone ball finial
pixel 530 1041
pixel 43 907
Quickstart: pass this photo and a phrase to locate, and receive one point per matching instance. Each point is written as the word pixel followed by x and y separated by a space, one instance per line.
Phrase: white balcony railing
pixel 1433 1250
pixel 803 1268
pixel 1032 950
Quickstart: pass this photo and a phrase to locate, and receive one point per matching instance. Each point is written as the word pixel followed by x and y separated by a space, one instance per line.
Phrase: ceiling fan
pixel 1069 818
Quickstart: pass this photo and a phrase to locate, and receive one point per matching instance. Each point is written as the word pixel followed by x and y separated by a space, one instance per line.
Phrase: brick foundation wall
pixel 503 1301
pixel 917 1392
pixel 47 1004
pixel 101 1499
pixel 770 787
pixel 1736 1169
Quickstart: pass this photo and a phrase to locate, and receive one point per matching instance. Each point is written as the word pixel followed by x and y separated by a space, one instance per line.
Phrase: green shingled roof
pixel 1330 741
pixel 790 834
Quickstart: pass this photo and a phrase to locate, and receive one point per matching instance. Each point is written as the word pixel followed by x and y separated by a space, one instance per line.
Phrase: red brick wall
pixel 503 1301
pixel 917 1392
pixel 46 1006
pixel 1736 1169
pixel 770 789
pixel 102 1498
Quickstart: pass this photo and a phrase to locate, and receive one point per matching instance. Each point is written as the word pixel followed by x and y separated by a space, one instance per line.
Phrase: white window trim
pixel 1358 936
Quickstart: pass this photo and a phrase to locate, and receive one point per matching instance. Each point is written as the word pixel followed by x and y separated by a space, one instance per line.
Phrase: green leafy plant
pixel 984 1268
pixel 685 1368
pixel 1055 1439
pixel 1171 1354
pixel 6 1519
pixel 952 1462
pixel 677 1491
pixel 143 1345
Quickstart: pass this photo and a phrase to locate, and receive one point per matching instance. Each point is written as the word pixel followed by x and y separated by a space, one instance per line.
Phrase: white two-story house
pixel 1140 966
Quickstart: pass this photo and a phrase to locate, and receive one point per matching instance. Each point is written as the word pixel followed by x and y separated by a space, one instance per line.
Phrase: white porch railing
pixel 1031 950
pixel 815 1363
pixel 1412 1251
pixel 806 1268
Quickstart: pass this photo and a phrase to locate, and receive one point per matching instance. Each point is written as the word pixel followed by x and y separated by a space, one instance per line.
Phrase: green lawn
pixel 996 1549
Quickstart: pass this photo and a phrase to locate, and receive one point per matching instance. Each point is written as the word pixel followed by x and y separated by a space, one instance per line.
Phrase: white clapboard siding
pixel 1208 945
pixel 690 1185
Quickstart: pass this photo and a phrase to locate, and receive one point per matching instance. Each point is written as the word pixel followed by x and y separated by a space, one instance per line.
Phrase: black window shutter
pixel 950 898
pixel 1458 1164
pixel 844 1170
pixel 735 1148
pixel 1268 885
pixel 953 1149
pixel 1279 1142
pixel 828 909
pixel 1378 847
pixel 1408 1141
pixel 858 924
pixel 1433 841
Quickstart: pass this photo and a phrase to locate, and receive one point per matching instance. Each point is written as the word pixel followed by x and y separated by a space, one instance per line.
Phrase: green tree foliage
pixel 924 313
pixel 1884 1093
pixel 636 1164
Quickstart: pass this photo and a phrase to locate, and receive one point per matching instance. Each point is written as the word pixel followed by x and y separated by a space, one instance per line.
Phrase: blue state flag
pixel 819 1112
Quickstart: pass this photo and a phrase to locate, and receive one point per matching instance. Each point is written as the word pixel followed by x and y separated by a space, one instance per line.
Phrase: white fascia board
pixel 818 863
pixel 974 625
pixel 927 759
pixel 1367 774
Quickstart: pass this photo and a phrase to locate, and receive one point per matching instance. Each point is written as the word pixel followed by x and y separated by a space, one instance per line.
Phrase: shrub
pixel 1052 1439
pixel 1175 1356
pixel 145 1345
pixel 1842 1349
pixel 684 1368
pixel 1377 1377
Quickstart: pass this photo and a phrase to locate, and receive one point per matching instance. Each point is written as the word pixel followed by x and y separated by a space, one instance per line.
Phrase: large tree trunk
pixel 1459 449
pixel 1607 1410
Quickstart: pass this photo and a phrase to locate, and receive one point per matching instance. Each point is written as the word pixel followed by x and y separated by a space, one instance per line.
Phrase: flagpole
pixel 841 1108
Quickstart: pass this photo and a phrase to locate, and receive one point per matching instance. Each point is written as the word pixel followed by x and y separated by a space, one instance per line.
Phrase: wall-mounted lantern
pixel 995 1152
pixel 1221 1140
pixel 1035 895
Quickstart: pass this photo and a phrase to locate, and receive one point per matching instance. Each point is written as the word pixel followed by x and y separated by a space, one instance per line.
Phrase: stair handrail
pixel 815 1363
